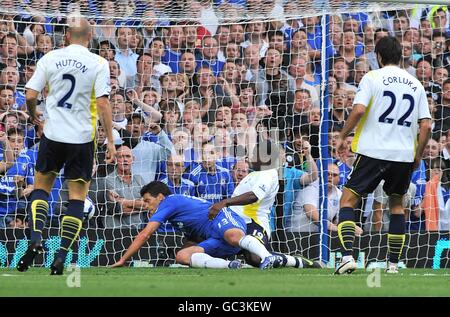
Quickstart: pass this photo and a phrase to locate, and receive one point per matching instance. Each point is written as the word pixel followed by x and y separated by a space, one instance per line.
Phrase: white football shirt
pixel 264 184
pixel 75 78
pixel 395 101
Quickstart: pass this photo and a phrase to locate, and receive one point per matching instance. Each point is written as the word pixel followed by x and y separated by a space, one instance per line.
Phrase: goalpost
pixel 325 48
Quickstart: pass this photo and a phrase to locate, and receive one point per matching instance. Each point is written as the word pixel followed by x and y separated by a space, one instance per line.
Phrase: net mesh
pixel 172 10
pixel 229 74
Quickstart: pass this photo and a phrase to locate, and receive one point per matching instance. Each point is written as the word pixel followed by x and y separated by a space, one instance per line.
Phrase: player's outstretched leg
pixel 203 260
pixel 39 211
pixel 232 228
pixel 299 262
pixel 70 229
pixel 196 257
pixel 254 246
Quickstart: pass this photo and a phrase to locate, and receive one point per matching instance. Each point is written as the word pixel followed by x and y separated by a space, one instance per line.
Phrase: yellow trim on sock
pixel 341 238
pixel 78 226
pixel 393 237
pixel 34 211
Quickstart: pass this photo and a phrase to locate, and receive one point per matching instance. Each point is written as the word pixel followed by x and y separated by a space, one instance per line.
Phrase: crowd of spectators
pixel 191 98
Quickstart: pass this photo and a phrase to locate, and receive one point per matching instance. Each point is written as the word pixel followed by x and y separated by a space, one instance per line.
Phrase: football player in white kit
pixel 78 84
pixel 393 125
pixel 254 197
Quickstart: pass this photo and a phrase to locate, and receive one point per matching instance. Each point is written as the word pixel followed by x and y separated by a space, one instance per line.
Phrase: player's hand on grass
pixel 215 209
pixel 110 153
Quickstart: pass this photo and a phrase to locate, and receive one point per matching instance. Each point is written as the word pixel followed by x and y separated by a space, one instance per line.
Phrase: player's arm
pixel 105 116
pixel 241 200
pixel 353 119
pixel 102 90
pixel 362 99
pixel 422 140
pixel 33 87
pixel 31 96
pixel 138 242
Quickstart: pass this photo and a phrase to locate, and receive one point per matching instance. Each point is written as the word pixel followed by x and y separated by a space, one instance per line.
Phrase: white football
pixel 89 209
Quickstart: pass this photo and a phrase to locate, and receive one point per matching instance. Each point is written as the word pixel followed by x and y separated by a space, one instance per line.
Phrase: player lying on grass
pixel 254 197
pixel 221 238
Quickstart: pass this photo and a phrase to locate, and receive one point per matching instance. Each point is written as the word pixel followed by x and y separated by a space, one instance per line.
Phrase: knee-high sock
pixel 39 211
pixel 290 261
pixel 71 226
pixel 252 244
pixel 346 230
pixel 396 237
pixel 203 260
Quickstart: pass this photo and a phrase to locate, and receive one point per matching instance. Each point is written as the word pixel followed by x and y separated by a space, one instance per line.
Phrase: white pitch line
pixel 10 275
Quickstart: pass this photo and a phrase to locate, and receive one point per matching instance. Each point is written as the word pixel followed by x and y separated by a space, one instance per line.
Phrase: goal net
pixel 219 79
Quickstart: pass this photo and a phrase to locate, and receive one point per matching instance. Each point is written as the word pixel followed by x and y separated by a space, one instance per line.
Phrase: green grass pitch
pixel 229 283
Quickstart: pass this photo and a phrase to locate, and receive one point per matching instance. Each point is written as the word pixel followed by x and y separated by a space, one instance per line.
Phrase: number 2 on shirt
pixel 402 121
pixel 62 102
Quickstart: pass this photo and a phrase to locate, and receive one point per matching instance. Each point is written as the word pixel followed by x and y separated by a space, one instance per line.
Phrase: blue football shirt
pixel 187 214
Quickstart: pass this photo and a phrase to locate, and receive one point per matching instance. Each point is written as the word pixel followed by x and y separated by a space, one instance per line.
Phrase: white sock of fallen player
pixel 293 261
pixel 252 244
pixel 203 260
